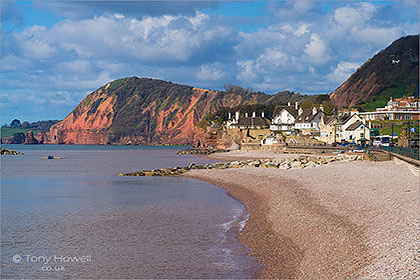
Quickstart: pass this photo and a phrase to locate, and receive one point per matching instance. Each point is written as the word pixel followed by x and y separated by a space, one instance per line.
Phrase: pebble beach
pixel 346 219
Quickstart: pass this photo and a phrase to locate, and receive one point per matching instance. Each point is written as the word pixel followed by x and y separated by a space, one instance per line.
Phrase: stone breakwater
pixel 300 162
pixel 10 152
pixel 200 151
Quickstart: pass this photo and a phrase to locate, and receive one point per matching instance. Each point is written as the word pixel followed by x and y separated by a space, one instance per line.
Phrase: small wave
pixel 243 222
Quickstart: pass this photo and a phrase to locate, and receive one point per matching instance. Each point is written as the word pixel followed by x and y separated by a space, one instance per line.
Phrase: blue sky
pixel 54 53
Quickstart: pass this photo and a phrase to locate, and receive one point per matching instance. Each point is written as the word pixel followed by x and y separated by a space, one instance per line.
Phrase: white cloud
pixel 151 39
pixel 35 43
pixel 303 6
pixel 377 35
pixel 305 48
pixel 119 16
pixel 297 29
pixel 211 72
pixel 246 71
pixel 270 60
pixel 350 17
pixel 12 62
pixel 77 66
pixel 343 70
pixel 317 50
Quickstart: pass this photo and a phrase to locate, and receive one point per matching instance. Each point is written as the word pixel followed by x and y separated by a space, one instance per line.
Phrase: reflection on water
pixel 78 217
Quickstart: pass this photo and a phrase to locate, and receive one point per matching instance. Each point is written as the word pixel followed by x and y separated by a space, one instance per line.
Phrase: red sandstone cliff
pixel 142 111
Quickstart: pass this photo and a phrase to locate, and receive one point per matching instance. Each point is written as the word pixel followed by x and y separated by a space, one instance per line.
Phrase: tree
pixel 15 124
pixel 237 89
pixel 25 125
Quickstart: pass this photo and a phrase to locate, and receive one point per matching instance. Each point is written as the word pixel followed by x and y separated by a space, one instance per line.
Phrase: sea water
pixel 75 217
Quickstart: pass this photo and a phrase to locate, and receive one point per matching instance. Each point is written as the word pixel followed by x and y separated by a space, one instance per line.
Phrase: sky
pixel 54 53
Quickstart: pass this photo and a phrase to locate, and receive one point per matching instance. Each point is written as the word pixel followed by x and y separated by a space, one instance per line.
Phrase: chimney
pixel 321 108
pixel 229 115
pixel 288 104
pixel 253 114
pixel 296 106
pixel 237 115
pixel 314 111
pixel 262 115
pixel 246 115
pixel 300 111
pixel 354 112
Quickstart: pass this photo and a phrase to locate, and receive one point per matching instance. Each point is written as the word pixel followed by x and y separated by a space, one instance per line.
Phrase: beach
pixel 355 219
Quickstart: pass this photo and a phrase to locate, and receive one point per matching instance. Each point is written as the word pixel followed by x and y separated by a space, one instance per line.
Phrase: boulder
pixel 29 138
pixel 10 152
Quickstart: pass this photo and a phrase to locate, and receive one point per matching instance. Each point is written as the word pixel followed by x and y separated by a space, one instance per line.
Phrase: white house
pixel 246 122
pixel 284 117
pixel 348 127
pixel 232 122
pixel 405 108
pixel 357 133
pixel 309 121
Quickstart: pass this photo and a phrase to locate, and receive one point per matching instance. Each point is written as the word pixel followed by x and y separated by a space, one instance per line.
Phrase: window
pixel 362 135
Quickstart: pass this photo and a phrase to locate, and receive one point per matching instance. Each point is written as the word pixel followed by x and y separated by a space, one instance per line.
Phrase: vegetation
pixel 17 127
pixel 388 130
pixel 393 72
pixel 380 101
pixel 116 83
pixel 386 127
pixel 134 95
pixel 8 131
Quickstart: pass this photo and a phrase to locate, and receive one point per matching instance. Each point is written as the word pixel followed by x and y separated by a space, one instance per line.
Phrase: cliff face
pixel 142 111
pixel 394 71
pixel 88 123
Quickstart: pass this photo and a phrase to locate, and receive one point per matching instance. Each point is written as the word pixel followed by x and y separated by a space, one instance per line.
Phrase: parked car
pixel 382 140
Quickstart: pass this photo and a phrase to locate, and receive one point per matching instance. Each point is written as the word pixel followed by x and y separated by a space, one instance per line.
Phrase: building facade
pixel 405 108
pixel 284 117
pixel 309 121
pixel 346 127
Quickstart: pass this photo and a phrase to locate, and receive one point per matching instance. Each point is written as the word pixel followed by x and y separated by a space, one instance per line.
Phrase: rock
pixel 311 164
pixel 201 151
pixel 301 162
pixel 41 137
pixel 9 152
pixel 295 164
pixel 191 166
pixel 29 138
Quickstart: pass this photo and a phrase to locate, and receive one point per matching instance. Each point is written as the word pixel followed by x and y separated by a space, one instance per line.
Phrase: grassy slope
pixel 7 131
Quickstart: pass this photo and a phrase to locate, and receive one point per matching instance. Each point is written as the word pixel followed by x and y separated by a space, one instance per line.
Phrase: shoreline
pixel 265 250
pixel 325 230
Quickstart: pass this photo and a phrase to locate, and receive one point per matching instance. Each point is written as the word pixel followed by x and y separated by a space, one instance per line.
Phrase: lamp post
pixel 392 133
pixel 335 133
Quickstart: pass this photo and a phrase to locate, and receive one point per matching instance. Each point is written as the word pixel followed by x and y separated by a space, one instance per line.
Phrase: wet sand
pixel 341 220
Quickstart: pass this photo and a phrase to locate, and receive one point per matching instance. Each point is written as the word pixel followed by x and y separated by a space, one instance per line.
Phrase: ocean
pixel 75 218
